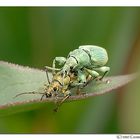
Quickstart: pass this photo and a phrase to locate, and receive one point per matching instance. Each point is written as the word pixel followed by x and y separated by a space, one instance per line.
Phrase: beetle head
pixel 54 88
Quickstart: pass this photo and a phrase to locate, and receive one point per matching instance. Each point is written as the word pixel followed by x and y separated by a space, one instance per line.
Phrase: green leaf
pixel 15 79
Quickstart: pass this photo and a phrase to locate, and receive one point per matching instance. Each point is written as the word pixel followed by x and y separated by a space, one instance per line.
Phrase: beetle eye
pixel 54 88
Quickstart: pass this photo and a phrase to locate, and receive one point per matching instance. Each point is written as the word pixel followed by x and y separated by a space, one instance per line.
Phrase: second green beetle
pixel 89 58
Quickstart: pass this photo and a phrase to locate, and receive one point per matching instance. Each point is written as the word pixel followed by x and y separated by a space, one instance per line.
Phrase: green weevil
pixel 88 57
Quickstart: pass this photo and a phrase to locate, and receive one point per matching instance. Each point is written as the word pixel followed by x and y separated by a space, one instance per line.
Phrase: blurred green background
pixel 34 36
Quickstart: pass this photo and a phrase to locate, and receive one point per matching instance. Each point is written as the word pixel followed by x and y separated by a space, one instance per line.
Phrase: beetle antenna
pixel 33 92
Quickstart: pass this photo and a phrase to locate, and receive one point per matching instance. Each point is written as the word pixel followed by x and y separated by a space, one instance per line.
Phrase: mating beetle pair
pixel 80 67
pixel 60 86
pixel 87 58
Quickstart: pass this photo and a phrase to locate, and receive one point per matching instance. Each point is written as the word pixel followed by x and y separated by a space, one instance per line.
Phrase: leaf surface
pixel 15 79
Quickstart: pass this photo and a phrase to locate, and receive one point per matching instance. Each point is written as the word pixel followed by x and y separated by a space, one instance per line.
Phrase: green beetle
pixel 89 58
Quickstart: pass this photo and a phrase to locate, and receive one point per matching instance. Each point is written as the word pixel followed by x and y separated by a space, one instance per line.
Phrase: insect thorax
pixel 81 57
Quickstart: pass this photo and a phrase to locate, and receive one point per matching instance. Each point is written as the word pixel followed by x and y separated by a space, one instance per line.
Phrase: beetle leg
pixel 80 81
pixel 46 70
pixel 103 70
pixel 42 97
pixel 60 60
pixel 51 69
pixel 67 95
pixel 78 92
pixel 75 84
pixel 89 79
pixel 81 77
pixel 93 73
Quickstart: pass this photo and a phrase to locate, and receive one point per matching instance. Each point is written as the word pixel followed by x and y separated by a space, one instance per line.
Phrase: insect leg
pixel 93 73
pixel 103 70
pixel 61 102
pixel 46 70
pixel 82 77
pixel 42 97
pixel 78 92
pixel 60 60
pixel 52 69
pixel 105 73
pixel 76 83
pixel 89 79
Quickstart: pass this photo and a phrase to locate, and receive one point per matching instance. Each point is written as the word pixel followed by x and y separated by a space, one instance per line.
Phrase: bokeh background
pixel 34 36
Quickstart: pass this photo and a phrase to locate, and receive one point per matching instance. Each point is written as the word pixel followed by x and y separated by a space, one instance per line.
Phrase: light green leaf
pixel 15 79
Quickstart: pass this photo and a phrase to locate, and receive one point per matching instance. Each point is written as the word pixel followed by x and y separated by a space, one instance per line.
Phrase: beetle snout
pixel 66 69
